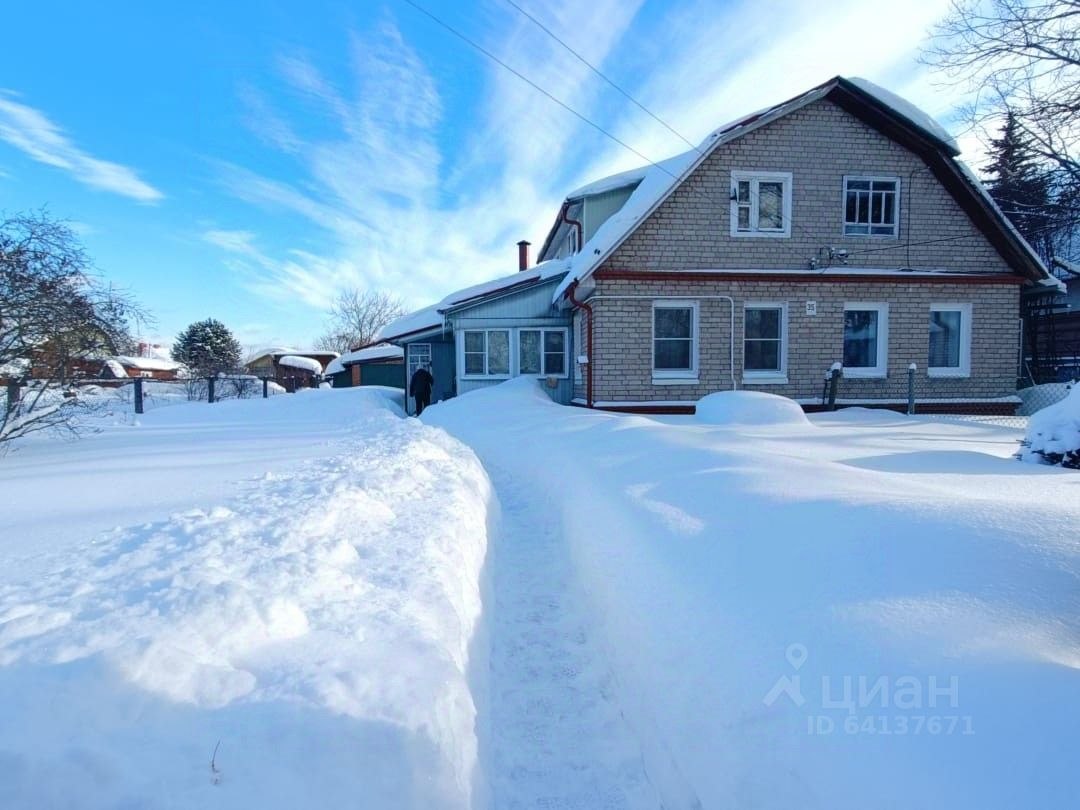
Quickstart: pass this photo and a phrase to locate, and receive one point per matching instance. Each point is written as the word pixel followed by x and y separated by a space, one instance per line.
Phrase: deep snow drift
pixel 870 610
pixel 314 625
pixel 1053 434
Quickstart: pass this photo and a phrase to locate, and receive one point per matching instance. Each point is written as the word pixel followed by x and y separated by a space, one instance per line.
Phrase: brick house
pixel 838 226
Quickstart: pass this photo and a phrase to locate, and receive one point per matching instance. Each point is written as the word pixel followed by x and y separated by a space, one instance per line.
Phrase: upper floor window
pixel 872 206
pixel 761 203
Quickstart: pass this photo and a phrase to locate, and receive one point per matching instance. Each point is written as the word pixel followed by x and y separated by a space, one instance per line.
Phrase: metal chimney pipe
pixel 523 255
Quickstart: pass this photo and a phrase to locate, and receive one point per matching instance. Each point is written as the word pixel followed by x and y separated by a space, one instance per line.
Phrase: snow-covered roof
pixel 662 178
pixel 1072 268
pixel 431 317
pixel 304 363
pixel 905 109
pixel 270 351
pixel 991 203
pixel 115 368
pixel 610 183
pixel 381 351
pixel 147 363
pixel 16 368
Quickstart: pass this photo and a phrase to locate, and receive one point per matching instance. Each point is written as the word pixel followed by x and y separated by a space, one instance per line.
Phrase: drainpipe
pixel 589 337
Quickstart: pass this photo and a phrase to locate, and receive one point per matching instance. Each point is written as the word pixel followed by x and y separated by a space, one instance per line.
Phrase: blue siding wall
pixel 530 308
pixel 443 368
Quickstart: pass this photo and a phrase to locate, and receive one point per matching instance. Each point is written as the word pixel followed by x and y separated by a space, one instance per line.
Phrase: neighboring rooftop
pixel 431 317
pixel 380 351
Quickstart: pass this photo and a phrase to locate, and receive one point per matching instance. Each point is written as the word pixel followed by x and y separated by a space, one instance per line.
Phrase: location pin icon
pixel 796 655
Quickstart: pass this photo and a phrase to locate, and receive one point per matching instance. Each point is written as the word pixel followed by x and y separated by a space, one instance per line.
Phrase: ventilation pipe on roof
pixel 523 255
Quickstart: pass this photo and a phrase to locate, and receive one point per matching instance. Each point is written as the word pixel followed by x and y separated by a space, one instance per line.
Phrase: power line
pixel 581 117
pixel 585 119
pixel 607 79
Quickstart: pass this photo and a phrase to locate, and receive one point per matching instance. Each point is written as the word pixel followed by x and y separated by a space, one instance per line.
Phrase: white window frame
pixel 675 376
pixel 543 358
pixel 412 353
pixel 754 179
pixel 486 375
pixel 964 369
pixel 765 376
pixel 843 208
pixel 881 368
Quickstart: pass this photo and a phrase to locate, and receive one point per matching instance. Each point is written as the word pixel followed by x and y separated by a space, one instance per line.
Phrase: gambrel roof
pixel 876 107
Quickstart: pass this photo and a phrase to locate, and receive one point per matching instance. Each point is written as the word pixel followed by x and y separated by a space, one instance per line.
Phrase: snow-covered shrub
pixel 749 408
pixel 1053 434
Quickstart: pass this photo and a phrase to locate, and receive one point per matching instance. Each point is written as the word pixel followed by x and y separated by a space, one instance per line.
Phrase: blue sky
pixel 244 160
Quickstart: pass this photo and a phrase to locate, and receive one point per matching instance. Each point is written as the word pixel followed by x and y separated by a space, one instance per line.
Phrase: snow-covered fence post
pixel 266 387
pixel 835 373
pixel 138 395
pixel 911 388
pixel 210 390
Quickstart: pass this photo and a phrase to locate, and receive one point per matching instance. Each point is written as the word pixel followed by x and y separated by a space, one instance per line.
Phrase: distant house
pixel 290 368
pixel 836 227
pixel 154 368
pixel 379 364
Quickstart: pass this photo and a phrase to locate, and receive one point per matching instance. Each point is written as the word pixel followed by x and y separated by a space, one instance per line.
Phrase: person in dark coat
pixel 420 387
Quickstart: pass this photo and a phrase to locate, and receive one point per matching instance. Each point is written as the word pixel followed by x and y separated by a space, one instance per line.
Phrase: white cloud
pixel 405 214
pixel 31 131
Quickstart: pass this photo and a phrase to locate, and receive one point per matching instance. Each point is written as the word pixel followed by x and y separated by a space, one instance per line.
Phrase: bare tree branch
pixel 356 318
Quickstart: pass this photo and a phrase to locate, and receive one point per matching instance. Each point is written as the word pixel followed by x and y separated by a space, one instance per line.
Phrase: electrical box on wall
pixel 811 307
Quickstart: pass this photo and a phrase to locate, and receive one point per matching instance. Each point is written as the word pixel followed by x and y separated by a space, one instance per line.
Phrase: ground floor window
pixel 542 352
pixel 674 339
pixel 950 340
pixel 486 352
pixel 764 340
pixel 866 339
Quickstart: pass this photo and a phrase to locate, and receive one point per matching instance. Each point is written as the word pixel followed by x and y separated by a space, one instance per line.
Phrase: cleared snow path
pixel 558 739
pixel 913 585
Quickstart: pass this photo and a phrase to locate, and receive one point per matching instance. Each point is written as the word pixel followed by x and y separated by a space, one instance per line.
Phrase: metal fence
pixel 943 397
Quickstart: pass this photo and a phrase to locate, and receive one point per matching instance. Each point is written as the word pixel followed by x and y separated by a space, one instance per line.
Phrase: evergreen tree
pixel 1021 186
pixel 207 348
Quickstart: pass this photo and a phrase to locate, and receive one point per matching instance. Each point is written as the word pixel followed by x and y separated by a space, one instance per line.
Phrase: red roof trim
pixel 795 278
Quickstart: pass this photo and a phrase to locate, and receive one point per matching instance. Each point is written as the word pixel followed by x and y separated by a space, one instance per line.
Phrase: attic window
pixel 872 206
pixel 761 204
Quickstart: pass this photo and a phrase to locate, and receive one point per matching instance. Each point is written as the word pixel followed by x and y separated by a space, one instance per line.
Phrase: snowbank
pixel 749 408
pixel 317 627
pixel 800 618
pixel 1053 434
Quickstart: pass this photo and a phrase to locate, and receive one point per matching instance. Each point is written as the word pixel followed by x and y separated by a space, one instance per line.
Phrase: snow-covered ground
pixel 746 609
pixel 292 583
pixel 866 610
